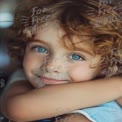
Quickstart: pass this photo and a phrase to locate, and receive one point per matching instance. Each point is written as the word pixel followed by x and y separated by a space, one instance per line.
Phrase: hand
pixel 73 118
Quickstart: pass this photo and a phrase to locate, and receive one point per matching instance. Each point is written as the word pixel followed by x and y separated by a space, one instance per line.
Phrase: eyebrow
pixel 84 50
pixel 76 48
pixel 39 41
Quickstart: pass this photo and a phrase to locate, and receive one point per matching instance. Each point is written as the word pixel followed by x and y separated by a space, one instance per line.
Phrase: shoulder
pixel 16 76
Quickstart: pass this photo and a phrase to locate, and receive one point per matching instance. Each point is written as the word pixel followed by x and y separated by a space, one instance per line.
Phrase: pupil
pixel 76 57
pixel 41 49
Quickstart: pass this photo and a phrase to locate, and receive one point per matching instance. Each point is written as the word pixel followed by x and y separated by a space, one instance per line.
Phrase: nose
pixel 52 65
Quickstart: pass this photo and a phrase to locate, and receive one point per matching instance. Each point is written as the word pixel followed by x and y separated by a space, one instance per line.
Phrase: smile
pixel 51 80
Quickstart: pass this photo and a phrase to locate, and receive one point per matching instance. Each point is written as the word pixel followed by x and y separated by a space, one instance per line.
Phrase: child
pixel 67 48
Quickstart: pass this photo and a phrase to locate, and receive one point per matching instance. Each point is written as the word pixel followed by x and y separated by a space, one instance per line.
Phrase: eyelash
pixel 37 47
pixel 69 56
pixel 82 58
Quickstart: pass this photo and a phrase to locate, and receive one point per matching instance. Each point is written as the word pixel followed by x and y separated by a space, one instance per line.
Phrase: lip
pixel 51 80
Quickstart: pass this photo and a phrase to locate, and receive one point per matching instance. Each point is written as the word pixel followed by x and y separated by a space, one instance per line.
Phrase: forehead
pixel 50 32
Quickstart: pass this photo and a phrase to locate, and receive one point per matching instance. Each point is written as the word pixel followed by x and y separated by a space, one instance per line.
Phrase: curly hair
pixel 82 18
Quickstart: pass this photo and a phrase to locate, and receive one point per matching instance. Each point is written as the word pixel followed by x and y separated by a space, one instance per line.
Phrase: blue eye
pixel 76 57
pixel 40 49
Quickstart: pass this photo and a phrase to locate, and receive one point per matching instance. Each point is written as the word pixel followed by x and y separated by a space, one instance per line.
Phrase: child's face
pixel 47 60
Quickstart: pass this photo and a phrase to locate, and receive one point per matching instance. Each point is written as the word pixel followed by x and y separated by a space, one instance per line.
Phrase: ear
pixel 96 61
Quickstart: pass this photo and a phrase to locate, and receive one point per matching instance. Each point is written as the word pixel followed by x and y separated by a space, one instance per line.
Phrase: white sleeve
pixel 85 114
pixel 107 112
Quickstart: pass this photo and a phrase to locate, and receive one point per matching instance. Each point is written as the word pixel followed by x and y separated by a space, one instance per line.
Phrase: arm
pixel 56 100
pixel 15 89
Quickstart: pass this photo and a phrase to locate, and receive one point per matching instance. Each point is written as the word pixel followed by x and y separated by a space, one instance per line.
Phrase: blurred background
pixel 7 66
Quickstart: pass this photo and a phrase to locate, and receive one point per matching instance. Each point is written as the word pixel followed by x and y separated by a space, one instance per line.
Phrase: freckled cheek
pixel 31 62
pixel 80 73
